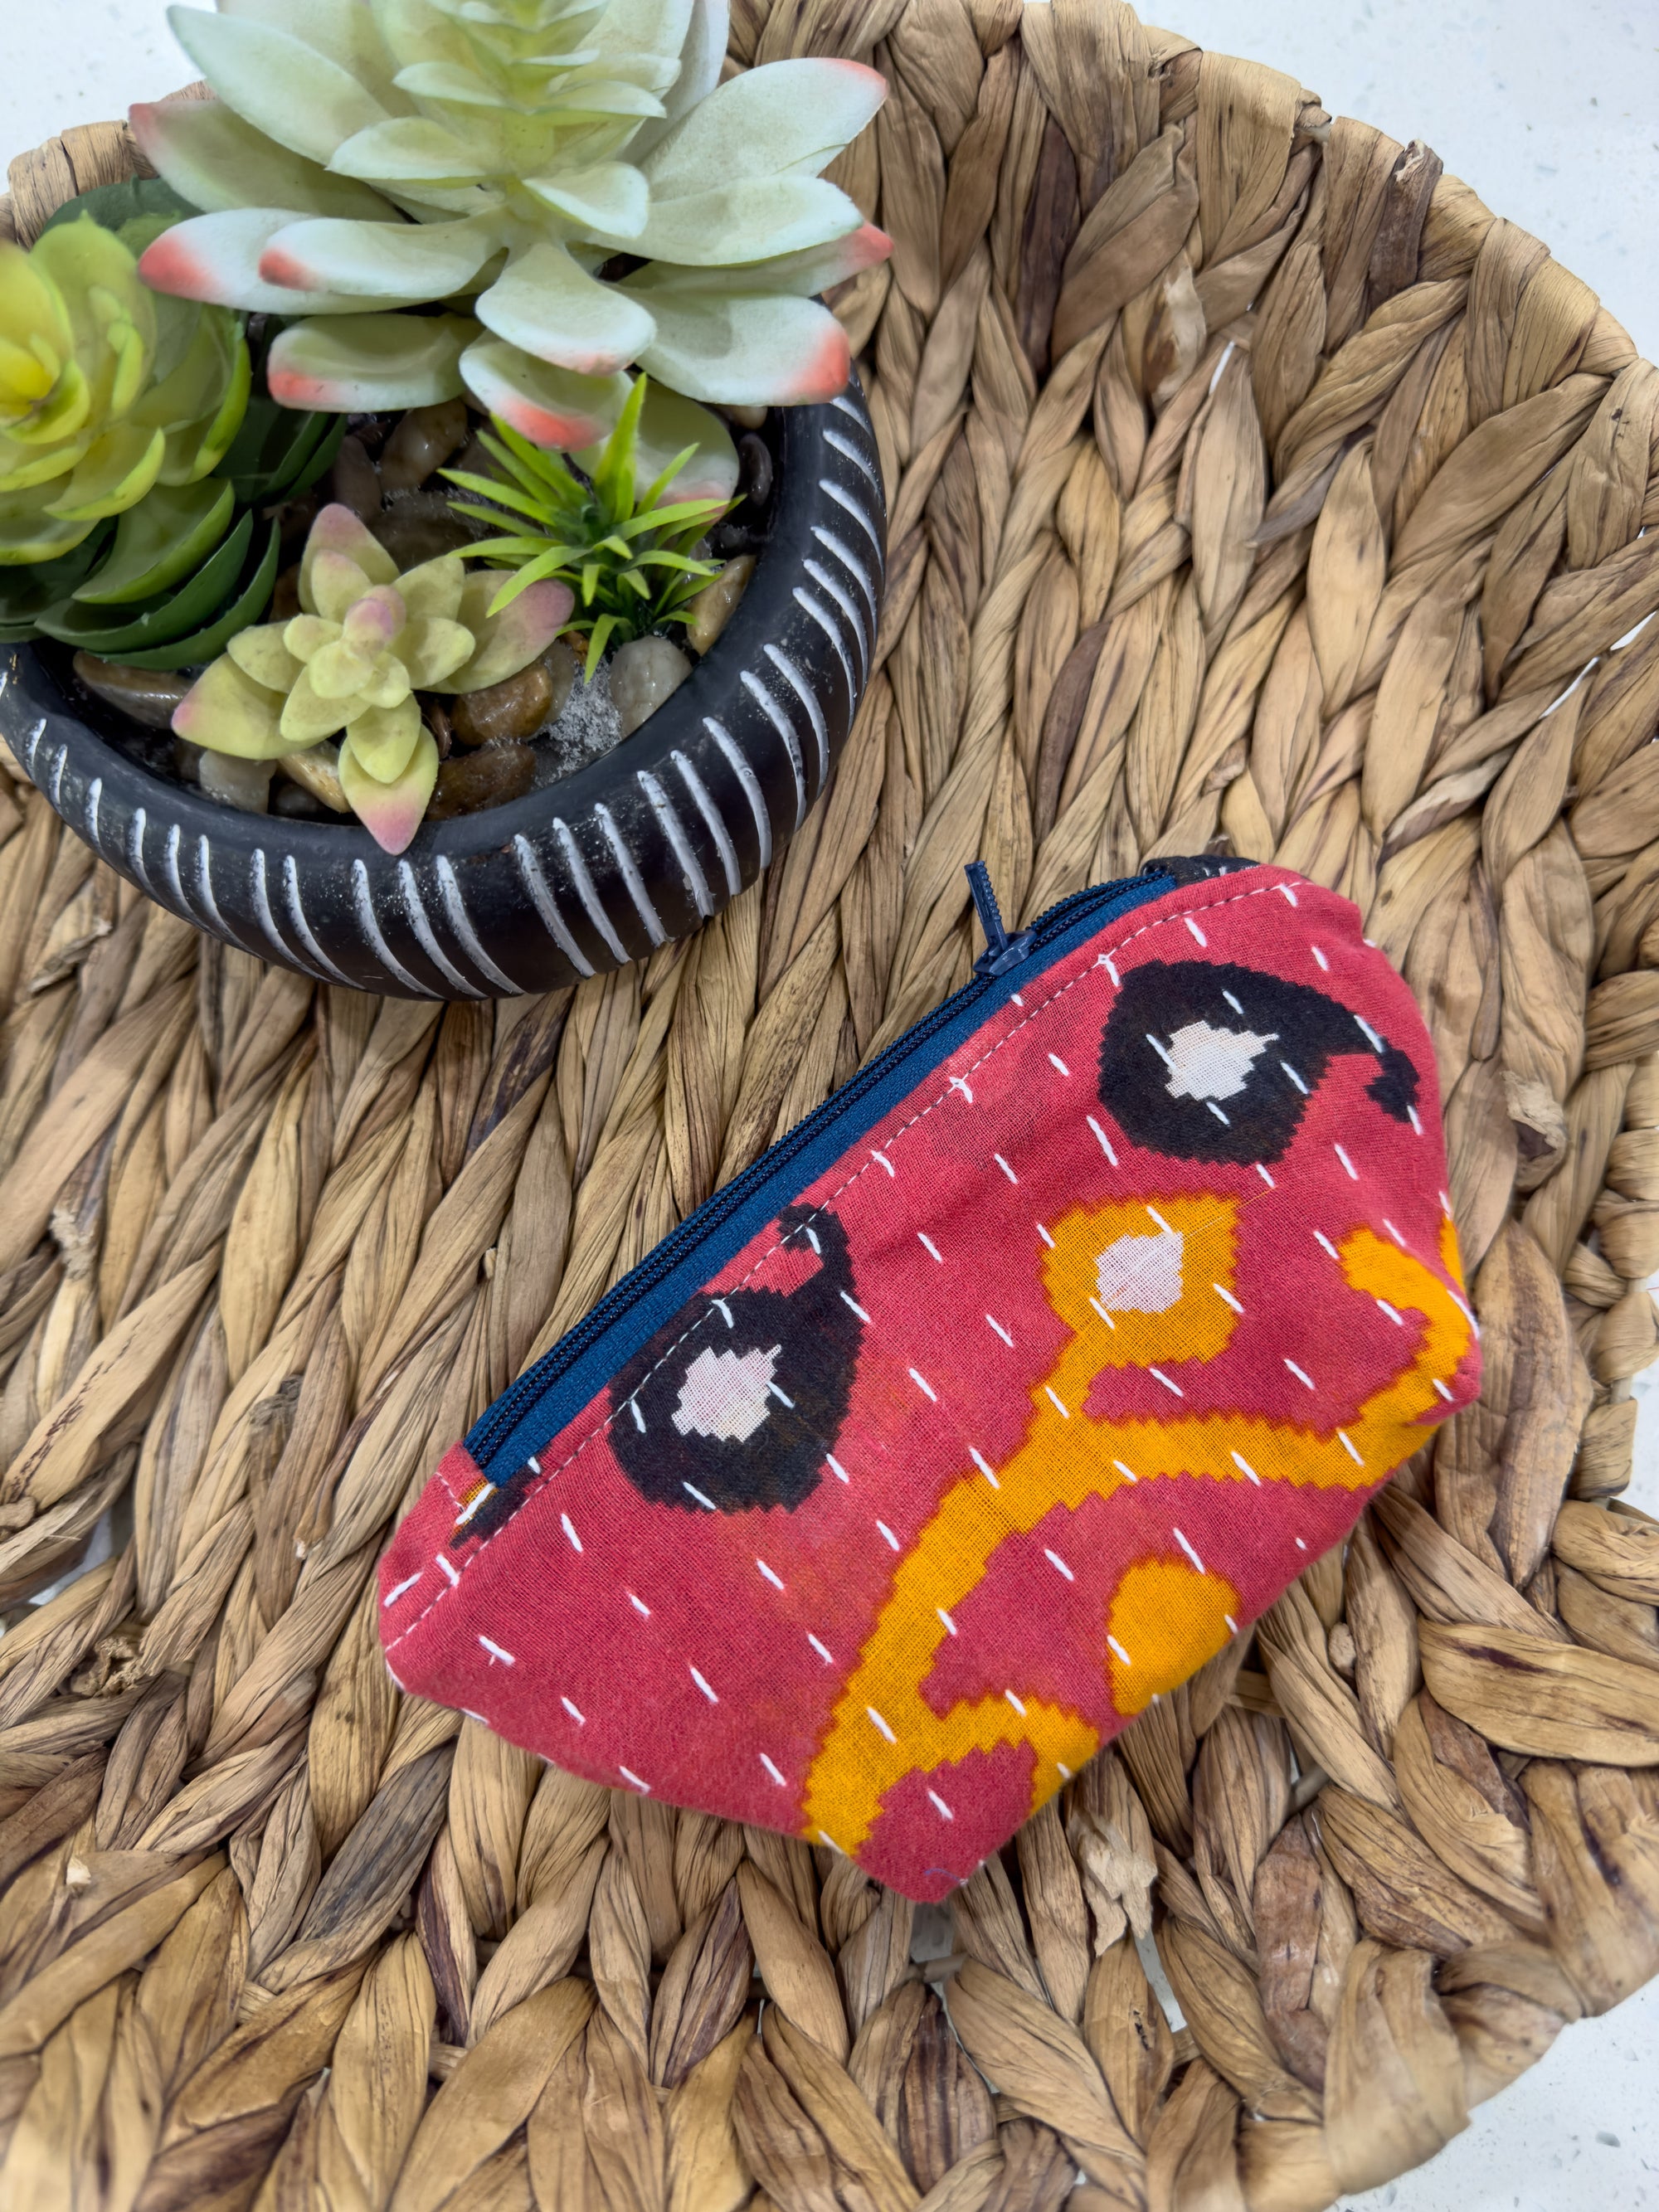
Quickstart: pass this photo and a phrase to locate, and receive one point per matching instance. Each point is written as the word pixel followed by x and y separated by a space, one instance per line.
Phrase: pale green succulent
pixel 106 390
pixel 348 665
pixel 496 156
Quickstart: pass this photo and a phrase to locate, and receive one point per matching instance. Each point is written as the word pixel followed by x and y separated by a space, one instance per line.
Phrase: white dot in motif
pixel 1206 1063
pixel 725 1394
pixel 1140 1275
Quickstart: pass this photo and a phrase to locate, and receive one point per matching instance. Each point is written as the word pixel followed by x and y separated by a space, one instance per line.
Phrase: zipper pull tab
pixel 1001 952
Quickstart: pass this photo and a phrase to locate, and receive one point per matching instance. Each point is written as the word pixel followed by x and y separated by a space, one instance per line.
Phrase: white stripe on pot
pixel 31 745
pixel 415 908
pixel 541 898
pixel 56 794
pixel 674 829
pixel 736 761
pixel 94 802
pixel 630 875
pixel 802 690
pixel 849 561
pixel 820 616
pixel 216 921
pixel 368 922
pixel 256 875
pixel 786 729
pixel 585 891
pixel 834 439
pixel 843 500
pixel 717 830
pixel 297 915
pixel 460 922
pixel 204 883
pixel 825 581
pixel 170 860
pixel 136 851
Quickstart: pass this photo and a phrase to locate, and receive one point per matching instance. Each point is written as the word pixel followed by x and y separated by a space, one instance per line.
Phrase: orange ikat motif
pixel 1065 1457
pixel 1043 1384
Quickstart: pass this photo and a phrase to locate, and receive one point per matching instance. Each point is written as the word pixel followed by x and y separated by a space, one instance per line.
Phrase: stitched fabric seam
pixel 549 1474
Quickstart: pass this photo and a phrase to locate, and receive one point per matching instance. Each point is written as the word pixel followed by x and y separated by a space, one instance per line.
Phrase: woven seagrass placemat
pixel 1249 481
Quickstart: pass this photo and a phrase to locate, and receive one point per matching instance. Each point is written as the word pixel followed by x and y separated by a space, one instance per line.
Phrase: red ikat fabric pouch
pixel 987 1405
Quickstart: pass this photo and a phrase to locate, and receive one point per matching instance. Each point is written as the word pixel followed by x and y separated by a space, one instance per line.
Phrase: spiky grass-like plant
pixel 626 556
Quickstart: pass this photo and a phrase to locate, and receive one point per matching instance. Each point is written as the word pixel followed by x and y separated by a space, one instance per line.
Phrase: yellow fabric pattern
pixel 1172 1617
pixel 883 1729
pixel 1197 1325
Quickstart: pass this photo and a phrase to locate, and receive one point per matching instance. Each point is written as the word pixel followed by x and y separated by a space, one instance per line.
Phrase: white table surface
pixel 1550 110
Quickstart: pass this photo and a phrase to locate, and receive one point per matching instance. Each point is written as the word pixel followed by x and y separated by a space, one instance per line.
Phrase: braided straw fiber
pixel 1249 481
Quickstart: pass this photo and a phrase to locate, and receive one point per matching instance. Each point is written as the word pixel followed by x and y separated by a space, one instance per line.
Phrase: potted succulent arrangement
pixel 440 537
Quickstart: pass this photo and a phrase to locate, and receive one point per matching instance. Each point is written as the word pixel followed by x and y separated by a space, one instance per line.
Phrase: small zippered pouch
pixel 989 1404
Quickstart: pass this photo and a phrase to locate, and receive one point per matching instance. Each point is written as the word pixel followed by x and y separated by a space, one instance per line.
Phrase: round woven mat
pixel 1249 481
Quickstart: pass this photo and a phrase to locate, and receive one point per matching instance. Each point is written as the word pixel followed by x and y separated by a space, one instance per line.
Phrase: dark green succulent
pixel 279 452
pixel 172 578
pixel 139 200
pixel 626 556
pixel 178 576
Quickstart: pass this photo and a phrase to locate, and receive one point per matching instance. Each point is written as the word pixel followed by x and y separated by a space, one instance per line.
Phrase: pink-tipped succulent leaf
pixel 551 407
pixel 759 351
pixel 372 622
pixel 342 558
pixel 351 663
pixel 225 711
pixel 365 152
pixel 511 640
pixel 370 364
pixel 383 742
pixel 217 257
pixel 216 161
pixel 390 812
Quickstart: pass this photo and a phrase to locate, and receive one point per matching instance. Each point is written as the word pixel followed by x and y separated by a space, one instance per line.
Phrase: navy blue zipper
pixel 997 975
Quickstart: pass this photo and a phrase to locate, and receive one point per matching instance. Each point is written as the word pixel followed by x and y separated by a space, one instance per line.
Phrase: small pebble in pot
pixel 147 695
pixel 755 480
pixel 285 600
pixel 234 782
pixel 296 517
pixel 751 418
pixel 560 662
pixel 419 527
pixel 422 442
pixel 643 673
pixel 353 481
pixel 443 730
pixel 587 728
pixel 488 777
pixel 476 459
pixel 295 804
pixel 731 537
pixel 318 768
pixel 515 708
pixel 715 605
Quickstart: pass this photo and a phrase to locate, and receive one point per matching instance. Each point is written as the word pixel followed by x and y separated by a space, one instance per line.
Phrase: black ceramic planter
pixel 638 847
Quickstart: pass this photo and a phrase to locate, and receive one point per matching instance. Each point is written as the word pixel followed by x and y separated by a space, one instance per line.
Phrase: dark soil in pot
pixel 581 874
